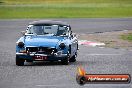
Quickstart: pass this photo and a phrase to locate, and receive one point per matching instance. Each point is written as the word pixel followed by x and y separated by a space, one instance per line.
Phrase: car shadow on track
pixel 77 63
pixel 45 64
pixel 42 63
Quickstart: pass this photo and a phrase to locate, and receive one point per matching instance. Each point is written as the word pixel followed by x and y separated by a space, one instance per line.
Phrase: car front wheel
pixel 65 61
pixel 19 62
pixel 73 58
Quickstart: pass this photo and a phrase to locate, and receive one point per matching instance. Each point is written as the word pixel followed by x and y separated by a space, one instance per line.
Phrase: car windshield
pixel 55 30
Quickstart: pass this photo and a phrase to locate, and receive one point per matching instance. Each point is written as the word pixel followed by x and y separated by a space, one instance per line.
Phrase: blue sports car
pixel 47 40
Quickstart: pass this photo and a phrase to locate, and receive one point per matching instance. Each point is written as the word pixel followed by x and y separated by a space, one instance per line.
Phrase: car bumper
pixel 41 57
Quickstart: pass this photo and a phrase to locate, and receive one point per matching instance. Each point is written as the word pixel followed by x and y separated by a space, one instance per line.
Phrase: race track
pixel 54 75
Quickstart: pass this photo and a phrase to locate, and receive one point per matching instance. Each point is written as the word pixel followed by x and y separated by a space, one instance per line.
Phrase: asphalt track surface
pixel 54 75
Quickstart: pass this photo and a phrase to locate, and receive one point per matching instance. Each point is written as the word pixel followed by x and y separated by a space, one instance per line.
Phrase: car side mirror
pixel 71 33
pixel 74 35
pixel 23 32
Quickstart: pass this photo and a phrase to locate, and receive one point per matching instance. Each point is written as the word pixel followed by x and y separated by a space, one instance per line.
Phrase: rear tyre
pixel 81 80
pixel 19 62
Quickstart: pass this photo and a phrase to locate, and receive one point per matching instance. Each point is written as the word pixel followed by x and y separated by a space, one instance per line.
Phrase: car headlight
pixel 62 45
pixel 21 44
pixel 23 51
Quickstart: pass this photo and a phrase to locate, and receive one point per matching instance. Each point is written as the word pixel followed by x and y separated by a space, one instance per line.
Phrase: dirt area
pixel 111 39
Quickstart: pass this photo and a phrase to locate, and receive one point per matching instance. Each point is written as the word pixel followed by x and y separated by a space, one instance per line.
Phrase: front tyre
pixel 65 61
pixel 19 62
pixel 72 59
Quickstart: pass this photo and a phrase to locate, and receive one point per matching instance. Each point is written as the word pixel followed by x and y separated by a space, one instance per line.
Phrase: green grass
pixel 63 1
pixel 65 8
pixel 127 37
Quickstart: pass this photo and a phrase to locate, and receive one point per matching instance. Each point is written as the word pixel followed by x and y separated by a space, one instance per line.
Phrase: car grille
pixel 41 50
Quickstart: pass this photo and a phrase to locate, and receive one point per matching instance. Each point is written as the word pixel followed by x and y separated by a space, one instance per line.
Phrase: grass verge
pixel 7 12
pixel 65 8
pixel 127 37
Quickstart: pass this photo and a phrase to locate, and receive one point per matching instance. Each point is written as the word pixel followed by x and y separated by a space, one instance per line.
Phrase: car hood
pixel 42 41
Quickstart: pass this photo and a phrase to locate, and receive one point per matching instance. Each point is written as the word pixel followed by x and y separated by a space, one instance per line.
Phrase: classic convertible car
pixel 47 40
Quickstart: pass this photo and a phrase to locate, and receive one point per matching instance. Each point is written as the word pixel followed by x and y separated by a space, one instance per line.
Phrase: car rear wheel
pixel 19 62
